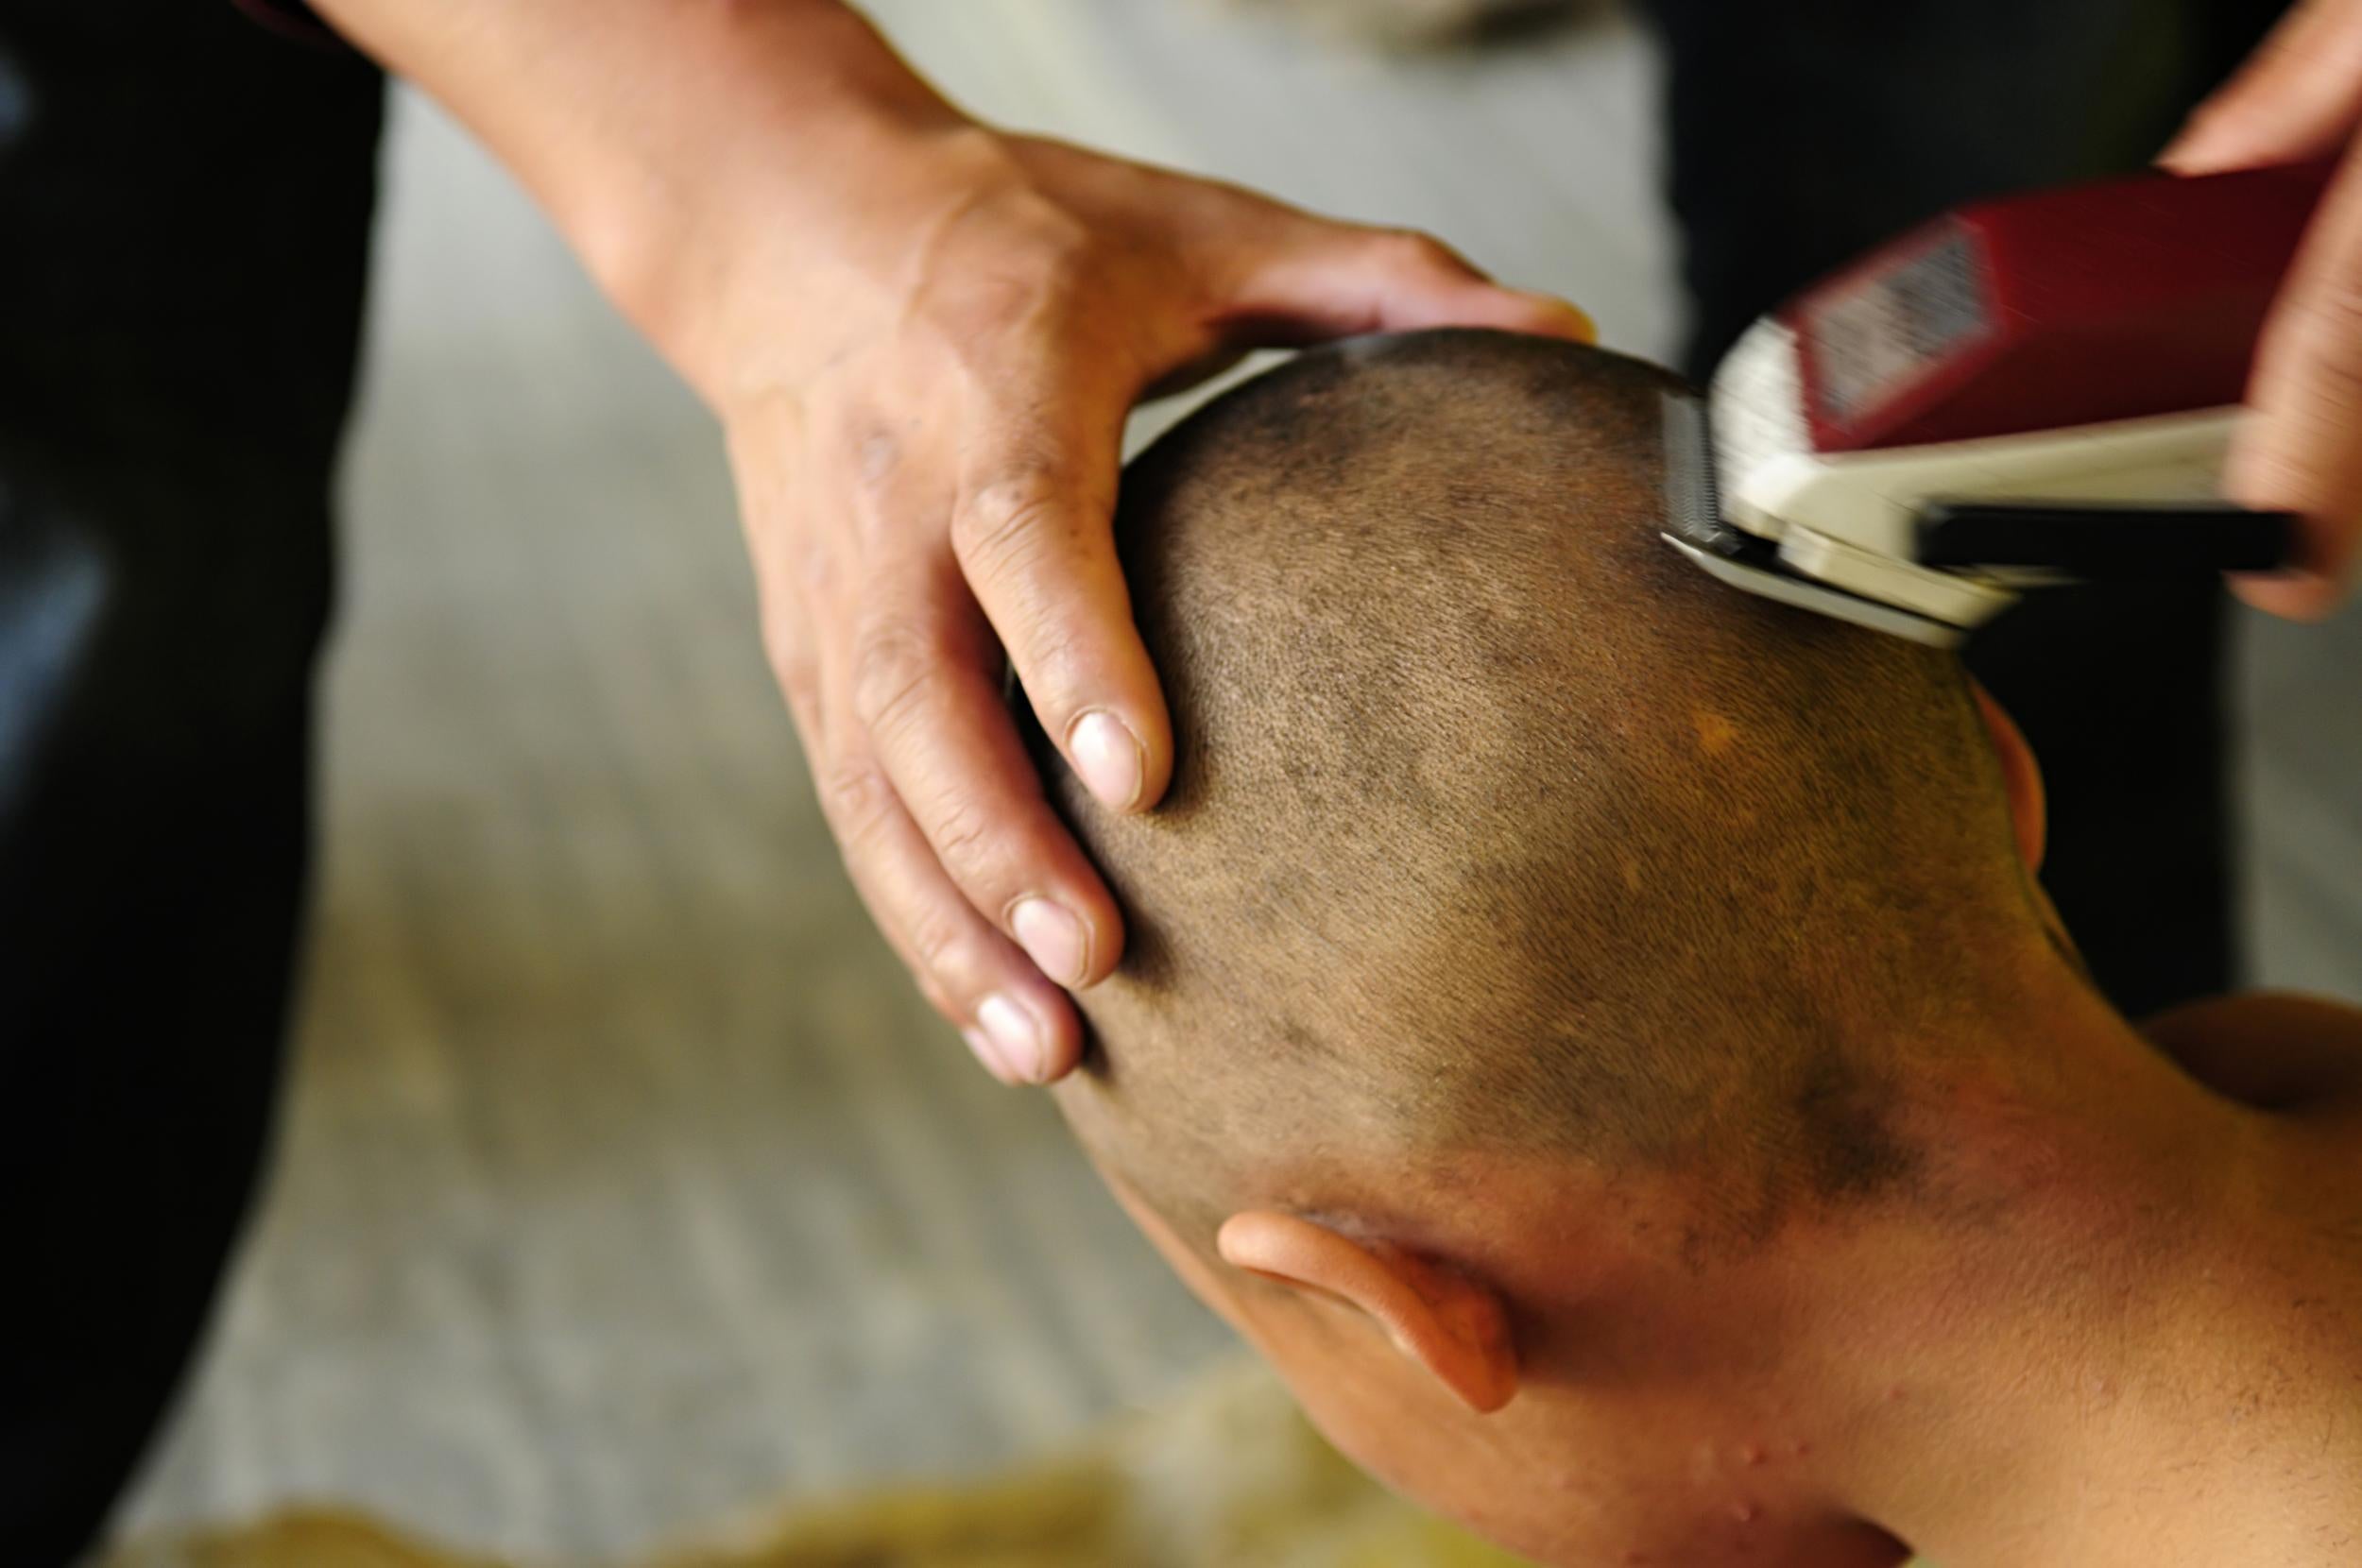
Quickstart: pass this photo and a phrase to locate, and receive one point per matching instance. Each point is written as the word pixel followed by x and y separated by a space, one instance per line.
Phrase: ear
pixel 2020 776
pixel 1438 1318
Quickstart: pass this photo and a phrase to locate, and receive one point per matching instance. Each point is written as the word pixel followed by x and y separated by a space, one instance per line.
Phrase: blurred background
pixel 624 1183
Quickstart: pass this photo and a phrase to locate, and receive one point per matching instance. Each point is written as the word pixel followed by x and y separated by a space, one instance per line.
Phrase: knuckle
pixel 859 800
pixel 1415 250
pixel 1060 667
pixel 940 945
pixel 875 448
pixel 1008 514
pixel 2333 326
pixel 966 840
pixel 894 667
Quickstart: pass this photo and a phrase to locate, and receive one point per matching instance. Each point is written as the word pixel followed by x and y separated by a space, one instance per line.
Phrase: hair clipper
pixel 2027 391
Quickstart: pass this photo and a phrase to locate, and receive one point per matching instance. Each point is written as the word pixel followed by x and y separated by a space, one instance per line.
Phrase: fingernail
pixel 2295 594
pixel 1053 937
pixel 1579 322
pixel 1015 1037
pixel 1108 756
pixel 989 1054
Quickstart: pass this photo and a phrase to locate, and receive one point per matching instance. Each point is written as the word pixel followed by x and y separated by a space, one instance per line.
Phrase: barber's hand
pixel 922 337
pixel 925 429
pixel 922 341
pixel 2301 97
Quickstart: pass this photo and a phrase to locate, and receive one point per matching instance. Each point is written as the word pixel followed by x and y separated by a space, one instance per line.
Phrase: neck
pixel 2124 1327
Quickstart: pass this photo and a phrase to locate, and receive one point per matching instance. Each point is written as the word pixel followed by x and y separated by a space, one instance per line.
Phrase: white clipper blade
pixel 1696 527
pixel 1837 603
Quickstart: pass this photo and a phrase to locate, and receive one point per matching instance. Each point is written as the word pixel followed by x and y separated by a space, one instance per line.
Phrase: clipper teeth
pixel 1693 504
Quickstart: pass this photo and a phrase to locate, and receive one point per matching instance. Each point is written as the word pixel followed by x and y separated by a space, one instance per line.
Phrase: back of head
pixel 1496 825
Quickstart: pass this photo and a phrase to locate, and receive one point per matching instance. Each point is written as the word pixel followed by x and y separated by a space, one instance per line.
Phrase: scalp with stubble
pixel 1496 825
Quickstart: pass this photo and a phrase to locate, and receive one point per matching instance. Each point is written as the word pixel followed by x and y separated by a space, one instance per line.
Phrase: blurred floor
pixel 1228 1476
pixel 624 1183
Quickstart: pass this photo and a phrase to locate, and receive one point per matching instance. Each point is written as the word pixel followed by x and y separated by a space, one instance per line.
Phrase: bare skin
pixel 2119 1324
pixel 922 336
pixel 2300 97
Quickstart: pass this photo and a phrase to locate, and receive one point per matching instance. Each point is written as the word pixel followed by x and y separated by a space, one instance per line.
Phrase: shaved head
pixel 1496 825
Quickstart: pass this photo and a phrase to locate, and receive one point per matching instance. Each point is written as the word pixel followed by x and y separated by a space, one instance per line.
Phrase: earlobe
pixel 1454 1327
pixel 2020 776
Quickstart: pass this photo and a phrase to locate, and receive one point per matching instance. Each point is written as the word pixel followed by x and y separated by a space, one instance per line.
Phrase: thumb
pixel 2298 96
pixel 1315 278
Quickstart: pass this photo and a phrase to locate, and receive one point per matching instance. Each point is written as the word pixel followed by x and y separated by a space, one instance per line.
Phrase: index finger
pixel 1033 530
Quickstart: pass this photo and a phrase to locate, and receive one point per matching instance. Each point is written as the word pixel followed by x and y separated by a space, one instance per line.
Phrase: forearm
pixel 646 127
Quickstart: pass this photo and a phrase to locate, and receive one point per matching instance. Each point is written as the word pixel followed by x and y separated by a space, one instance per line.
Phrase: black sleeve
pixel 291 19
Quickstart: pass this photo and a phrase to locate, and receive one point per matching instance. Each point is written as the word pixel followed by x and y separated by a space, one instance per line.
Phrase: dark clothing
pixel 185 199
pixel 1806 132
pixel 185 202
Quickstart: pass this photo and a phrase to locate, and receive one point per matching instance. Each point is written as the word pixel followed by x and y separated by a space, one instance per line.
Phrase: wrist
pixel 798 154
pixel 669 139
